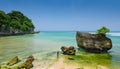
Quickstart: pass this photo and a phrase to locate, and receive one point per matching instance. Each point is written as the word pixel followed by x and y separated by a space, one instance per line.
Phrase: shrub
pixel 103 30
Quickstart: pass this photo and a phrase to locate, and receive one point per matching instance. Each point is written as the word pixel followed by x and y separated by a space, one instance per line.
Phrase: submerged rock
pixel 13 61
pixel 68 51
pixel 93 42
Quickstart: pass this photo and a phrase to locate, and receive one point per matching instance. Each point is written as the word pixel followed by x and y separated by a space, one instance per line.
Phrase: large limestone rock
pixel 68 50
pixel 93 42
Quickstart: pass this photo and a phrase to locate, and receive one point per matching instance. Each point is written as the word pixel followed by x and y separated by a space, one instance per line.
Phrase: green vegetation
pixel 91 60
pixel 102 59
pixel 103 30
pixel 15 22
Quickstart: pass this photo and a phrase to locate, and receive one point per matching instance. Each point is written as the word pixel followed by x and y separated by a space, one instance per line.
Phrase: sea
pixel 48 42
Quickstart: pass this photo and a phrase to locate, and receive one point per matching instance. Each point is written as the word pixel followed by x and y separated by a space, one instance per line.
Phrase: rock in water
pixel 28 63
pixel 68 51
pixel 13 61
pixel 93 42
pixel 31 58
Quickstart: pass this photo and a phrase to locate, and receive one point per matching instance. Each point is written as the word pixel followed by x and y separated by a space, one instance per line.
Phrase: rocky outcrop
pixel 13 61
pixel 28 63
pixel 93 42
pixel 16 64
pixel 68 50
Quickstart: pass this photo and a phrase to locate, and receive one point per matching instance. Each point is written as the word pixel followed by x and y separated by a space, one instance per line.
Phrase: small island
pixel 15 23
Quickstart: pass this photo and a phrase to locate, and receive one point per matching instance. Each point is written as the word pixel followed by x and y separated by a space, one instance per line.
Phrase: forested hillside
pixel 15 22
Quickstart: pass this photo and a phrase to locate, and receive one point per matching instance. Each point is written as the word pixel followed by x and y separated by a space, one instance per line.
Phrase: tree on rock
pixel 103 30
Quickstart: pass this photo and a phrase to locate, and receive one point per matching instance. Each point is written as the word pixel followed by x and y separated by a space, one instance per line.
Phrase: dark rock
pixel 28 63
pixel 64 49
pixel 31 58
pixel 93 42
pixel 71 58
pixel 16 64
pixel 13 61
pixel 68 51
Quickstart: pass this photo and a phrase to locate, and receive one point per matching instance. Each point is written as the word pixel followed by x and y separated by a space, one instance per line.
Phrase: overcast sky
pixel 68 15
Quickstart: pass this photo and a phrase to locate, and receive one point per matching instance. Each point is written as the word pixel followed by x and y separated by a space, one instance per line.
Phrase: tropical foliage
pixel 103 30
pixel 15 22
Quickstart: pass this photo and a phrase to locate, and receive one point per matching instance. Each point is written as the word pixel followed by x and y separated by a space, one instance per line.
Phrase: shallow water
pixel 45 44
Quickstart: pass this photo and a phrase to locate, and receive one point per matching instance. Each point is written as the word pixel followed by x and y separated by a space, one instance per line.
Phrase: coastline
pixel 82 59
pixel 63 63
pixel 17 34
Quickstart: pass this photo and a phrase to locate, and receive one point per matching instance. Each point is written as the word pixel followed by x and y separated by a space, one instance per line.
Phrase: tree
pixel 20 22
pixel 15 21
pixel 3 20
pixel 103 30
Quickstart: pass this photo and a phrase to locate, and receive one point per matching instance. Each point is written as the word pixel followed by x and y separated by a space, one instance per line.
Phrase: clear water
pixel 48 42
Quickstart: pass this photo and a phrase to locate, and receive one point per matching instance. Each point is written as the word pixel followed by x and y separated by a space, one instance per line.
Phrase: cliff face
pixel 93 42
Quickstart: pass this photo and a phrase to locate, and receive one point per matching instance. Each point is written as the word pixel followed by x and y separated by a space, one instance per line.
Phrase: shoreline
pixel 78 61
pixel 17 34
pixel 62 63
pixel 82 59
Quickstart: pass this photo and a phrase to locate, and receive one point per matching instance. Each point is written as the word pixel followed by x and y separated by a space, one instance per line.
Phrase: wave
pixel 114 34
pixel 109 34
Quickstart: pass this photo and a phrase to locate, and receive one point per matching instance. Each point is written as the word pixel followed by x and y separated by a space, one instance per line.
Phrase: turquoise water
pixel 47 43
pixel 34 43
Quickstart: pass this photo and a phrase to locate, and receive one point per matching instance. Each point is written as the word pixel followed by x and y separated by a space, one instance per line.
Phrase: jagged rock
pixel 68 51
pixel 31 58
pixel 28 63
pixel 93 42
pixel 15 64
pixel 13 61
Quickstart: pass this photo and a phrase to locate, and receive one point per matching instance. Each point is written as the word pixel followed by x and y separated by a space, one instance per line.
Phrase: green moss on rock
pixel 13 61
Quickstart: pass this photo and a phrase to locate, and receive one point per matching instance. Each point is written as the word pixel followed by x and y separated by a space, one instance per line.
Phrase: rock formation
pixel 13 61
pixel 93 42
pixel 68 51
pixel 15 64
pixel 28 63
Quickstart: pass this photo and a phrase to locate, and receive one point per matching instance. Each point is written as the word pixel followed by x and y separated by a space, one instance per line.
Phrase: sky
pixel 68 15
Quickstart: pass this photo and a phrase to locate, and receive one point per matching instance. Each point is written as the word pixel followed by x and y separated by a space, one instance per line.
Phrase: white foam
pixel 111 34
pixel 114 34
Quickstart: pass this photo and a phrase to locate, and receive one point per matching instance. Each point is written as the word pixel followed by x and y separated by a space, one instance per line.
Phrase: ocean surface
pixel 46 43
